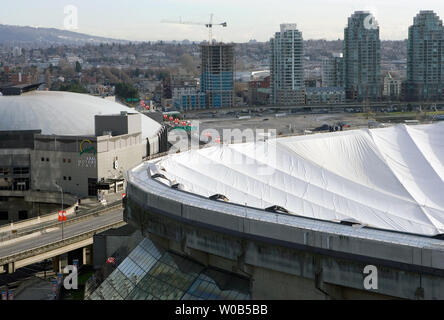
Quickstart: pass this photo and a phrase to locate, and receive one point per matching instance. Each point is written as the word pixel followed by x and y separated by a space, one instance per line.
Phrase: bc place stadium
pixel 305 216
pixel 355 214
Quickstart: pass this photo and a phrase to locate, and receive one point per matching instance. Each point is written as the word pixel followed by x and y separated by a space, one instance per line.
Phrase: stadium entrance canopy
pixel 390 178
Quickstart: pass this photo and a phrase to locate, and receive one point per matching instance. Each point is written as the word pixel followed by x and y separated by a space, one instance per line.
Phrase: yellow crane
pixel 208 25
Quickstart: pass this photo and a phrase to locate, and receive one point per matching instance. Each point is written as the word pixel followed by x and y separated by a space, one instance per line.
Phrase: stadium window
pixel 69 178
pixel 64 178
pixel 64 160
pixel 21 170
pixel 4 215
pixel 43 159
pixel 69 160
pixel 23 215
pixel 47 159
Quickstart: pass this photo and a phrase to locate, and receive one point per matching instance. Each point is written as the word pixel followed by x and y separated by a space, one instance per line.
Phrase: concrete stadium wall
pixel 106 245
pixel 283 261
pixel 129 150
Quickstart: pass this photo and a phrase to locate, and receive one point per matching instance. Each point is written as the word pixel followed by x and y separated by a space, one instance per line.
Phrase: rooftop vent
pixel 158 175
pixel 177 186
pixel 349 222
pixel 277 209
pixel 219 197
pixel 123 113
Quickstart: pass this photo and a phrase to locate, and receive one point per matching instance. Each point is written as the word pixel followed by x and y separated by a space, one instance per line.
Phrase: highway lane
pixel 69 231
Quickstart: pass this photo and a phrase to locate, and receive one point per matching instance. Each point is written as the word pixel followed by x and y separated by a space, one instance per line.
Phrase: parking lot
pixel 284 124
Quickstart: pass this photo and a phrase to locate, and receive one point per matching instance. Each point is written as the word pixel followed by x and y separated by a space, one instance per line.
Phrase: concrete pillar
pixel 84 261
pixel 56 264
pixel 91 254
pixel 11 267
pixel 63 258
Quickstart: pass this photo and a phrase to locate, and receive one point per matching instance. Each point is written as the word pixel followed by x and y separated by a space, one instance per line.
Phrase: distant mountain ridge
pixel 33 36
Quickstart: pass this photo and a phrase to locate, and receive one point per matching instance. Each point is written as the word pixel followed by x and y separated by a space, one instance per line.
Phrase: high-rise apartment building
pixel 362 57
pixel 287 67
pixel 332 71
pixel 217 78
pixel 425 58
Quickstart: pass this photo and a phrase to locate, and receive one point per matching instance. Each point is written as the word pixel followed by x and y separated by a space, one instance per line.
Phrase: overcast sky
pixel 247 19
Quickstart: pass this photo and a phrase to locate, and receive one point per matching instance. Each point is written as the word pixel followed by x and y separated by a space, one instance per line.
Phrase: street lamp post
pixel 61 190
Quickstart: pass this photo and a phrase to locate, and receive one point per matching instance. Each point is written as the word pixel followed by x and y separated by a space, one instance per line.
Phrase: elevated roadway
pixel 49 240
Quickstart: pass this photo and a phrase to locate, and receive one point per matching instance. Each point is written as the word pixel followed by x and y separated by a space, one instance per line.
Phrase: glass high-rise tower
pixel 425 58
pixel 362 58
pixel 287 67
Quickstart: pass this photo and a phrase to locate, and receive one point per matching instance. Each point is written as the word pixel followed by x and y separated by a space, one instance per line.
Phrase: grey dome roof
pixel 61 113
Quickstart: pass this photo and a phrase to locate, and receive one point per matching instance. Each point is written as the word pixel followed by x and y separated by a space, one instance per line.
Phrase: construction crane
pixel 208 25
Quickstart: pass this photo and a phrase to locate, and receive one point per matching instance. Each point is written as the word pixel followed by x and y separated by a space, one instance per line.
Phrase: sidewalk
pixel 35 289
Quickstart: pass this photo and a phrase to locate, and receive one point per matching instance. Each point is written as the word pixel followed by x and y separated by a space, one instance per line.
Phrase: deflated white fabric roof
pixel 61 113
pixel 390 178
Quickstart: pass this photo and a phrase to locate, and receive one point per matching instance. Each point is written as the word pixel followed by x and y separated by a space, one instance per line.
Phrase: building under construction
pixel 217 78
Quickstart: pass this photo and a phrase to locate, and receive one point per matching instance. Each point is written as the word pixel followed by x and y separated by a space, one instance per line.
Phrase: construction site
pixel 217 78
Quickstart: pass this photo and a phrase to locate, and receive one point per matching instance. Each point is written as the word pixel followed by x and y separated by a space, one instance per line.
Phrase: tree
pixel 188 63
pixel 78 67
pixel 48 78
pixel 163 75
pixel 74 86
pixel 126 91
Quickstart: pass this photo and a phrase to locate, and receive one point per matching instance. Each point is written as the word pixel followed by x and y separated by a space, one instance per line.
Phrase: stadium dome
pixel 390 178
pixel 61 113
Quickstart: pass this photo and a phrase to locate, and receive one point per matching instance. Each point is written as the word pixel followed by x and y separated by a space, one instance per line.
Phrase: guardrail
pixel 35 221
pixel 90 213
pixel 56 244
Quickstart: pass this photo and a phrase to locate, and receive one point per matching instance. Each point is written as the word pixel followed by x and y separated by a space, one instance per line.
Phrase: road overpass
pixel 50 240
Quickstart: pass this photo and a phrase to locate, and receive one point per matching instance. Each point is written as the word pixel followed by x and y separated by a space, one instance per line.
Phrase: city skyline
pixel 98 18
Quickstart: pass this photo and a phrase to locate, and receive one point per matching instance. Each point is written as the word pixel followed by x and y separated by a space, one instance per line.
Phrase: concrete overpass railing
pixel 50 221
pixel 16 226
pixel 65 243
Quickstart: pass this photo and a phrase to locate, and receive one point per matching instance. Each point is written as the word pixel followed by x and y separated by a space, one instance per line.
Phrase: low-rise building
pixel 325 95
pixel 82 145
pixel 188 98
pixel 259 91
pixel 193 101
pixel 392 87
